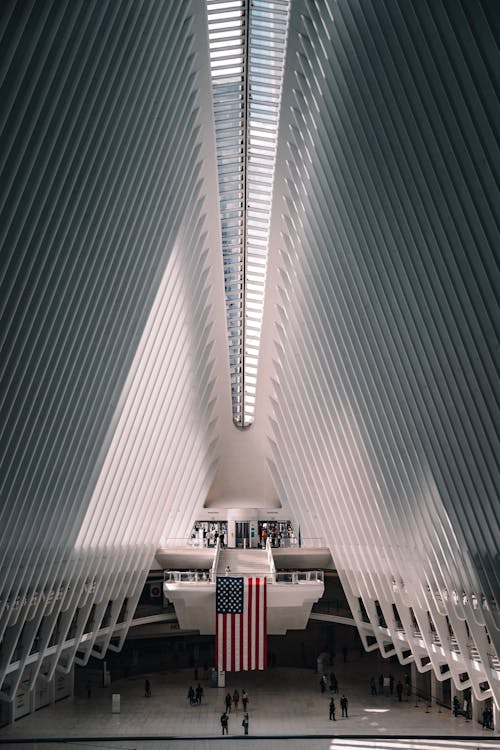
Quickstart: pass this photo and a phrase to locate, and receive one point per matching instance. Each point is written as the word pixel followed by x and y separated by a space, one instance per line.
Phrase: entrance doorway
pixel 242 533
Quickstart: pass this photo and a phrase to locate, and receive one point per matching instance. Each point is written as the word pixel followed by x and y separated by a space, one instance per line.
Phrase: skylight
pixel 247 50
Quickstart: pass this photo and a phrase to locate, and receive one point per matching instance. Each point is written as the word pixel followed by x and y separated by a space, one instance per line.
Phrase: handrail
pixel 270 559
pixel 215 564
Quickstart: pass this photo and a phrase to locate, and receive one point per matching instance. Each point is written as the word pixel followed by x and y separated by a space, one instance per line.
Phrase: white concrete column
pixel 453 693
pixel 414 675
pixel 476 708
pixel 436 691
pixel 254 534
pixel 496 720
pixel 52 690
pixel 231 533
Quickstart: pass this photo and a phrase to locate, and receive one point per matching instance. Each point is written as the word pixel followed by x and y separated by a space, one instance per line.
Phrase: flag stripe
pixel 241 642
pixel 249 623
pixel 264 639
pixel 224 639
pixel 257 628
pixel 232 643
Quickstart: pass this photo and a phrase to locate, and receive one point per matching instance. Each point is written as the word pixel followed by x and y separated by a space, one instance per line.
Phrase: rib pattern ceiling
pixel 385 419
pixel 108 335
pixel 247 51
pixel 378 377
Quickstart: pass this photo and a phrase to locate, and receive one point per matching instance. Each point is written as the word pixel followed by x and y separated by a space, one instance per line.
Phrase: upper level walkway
pixel 290 595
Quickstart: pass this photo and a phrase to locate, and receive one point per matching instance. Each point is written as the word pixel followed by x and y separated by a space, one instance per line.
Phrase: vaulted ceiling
pixel 375 424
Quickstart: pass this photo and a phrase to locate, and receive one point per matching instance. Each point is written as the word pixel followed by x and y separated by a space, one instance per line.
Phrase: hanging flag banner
pixel 241 627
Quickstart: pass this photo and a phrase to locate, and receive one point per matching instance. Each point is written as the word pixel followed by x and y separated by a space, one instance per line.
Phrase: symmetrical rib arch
pixel 110 276
pixel 384 424
pixel 378 369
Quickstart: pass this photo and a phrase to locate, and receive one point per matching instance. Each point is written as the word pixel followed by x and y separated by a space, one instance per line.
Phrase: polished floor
pixel 286 710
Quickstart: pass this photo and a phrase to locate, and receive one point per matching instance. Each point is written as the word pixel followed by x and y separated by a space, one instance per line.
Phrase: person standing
pixel 399 690
pixel 244 699
pixel 224 721
pixel 332 710
pixel 147 688
pixel 343 705
pixel 245 724
pixel 228 703
pixel 236 699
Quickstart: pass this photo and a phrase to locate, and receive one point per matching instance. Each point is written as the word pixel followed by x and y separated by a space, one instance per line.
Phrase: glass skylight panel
pixel 247 41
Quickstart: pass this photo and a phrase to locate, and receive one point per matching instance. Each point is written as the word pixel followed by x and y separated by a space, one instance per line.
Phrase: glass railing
pixel 204 576
pixel 195 541
pixel 299 576
pixel 187 576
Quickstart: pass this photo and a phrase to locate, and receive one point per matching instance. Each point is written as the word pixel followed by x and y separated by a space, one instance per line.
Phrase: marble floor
pixel 287 711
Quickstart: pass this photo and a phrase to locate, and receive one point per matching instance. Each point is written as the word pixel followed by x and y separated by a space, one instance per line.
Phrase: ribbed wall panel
pixel 109 257
pixel 378 379
pixel 385 419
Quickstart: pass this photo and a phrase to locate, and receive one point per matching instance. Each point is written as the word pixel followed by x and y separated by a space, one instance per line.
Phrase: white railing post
pixel 270 559
pixel 213 569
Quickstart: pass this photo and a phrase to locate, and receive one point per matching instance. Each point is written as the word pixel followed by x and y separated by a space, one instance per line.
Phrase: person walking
pixel 343 706
pixel 147 688
pixel 245 724
pixel 332 710
pixel 236 699
pixel 199 694
pixel 228 702
pixel 224 721
pixel 373 686
pixel 244 699
pixel 191 695
pixel 399 690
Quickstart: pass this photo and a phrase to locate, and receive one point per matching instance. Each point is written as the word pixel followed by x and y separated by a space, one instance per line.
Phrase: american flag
pixel 241 630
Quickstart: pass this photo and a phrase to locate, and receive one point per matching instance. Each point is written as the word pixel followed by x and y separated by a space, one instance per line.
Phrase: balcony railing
pixel 197 576
pixel 299 576
pixel 187 576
